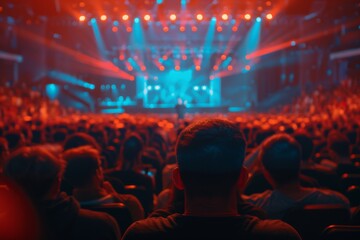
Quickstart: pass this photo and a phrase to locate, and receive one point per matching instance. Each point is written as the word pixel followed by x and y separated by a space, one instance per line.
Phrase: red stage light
pixel 165 29
pixel 216 67
pixel 143 68
pixel 230 68
pixel 194 28
pixel 177 68
pixel 165 57
pixel 162 68
pixel 247 16
pixel 223 57
pixel 184 57
pixel 82 18
pixel 199 17
pixel 247 67
pixel 114 29
pixel 103 17
pixel 173 17
pixel 130 68
pixel 121 57
pixel 147 17
pixel 128 29
pixel 125 17
pixel 235 28
pixel 219 29
pixel 182 29
pixel 225 17
pixel 198 68
pixel 269 16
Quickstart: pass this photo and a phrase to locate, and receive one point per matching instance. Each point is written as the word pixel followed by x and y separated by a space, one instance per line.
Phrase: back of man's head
pixel 15 139
pixel 210 155
pixel 133 145
pixel 281 157
pixel 80 139
pixel 306 143
pixel 35 170
pixel 339 144
pixel 81 165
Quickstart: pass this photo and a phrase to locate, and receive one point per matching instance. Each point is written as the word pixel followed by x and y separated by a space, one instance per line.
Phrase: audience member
pixel 39 174
pixel 210 155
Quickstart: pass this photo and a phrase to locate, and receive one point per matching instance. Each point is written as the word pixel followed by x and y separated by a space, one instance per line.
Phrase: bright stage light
pixel 173 17
pixel 230 68
pixel 114 29
pixel 165 29
pixel 162 68
pixel 258 19
pixel 219 29
pixel 223 57
pixel 198 68
pixel 103 17
pixel 216 67
pixel 128 29
pixel 125 17
pixel 143 68
pixel 194 28
pixel 247 16
pixel 147 17
pixel 182 29
pixel 184 57
pixel 199 17
pixel 225 17
pixel 247 67
pixel 269 16
pixel 82 18
pixel 235 28
pixel 130 68
pixel 177 68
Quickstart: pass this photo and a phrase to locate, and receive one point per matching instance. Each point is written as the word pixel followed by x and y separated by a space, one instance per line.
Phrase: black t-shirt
pixel 178 226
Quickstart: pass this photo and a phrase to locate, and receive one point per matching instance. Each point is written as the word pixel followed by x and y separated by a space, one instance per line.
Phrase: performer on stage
pixel 180 109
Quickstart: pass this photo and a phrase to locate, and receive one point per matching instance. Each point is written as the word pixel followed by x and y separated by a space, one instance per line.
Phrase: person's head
pixel 210 155
pixel 306 143
pixel 280 157
pixel 36 171
pixel 338 145
pixel 15 139
pixel 80 139
pixel 131 151
pixel 59 136
pixel 83 167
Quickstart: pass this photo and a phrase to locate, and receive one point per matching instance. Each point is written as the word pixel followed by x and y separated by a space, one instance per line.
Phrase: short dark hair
pixel 210 155
pixel 339 143
pixel 306 143
pixel 80 139
pixel 132 147
pixel 14 139
pixel 281 156
pixel 81 165
pixel 34 169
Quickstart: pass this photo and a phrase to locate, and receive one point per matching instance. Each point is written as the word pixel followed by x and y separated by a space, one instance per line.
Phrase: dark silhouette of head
pixel 131 151
pixel 338 145
pixel 80 139
pixel 306 143
pixel 210 155
pixel 83 166
pixel 280 157
pixel 15 139
pixel 36 171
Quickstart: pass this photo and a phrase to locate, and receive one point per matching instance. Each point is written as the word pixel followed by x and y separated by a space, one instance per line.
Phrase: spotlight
pixel 125 17
pixel 128 29
pixel 225 17
pixel 216 67
pixel 165 57
pixel 177 68
pixel 234 28
pixel 223 57
pixel 147 17
pixel 258 19
pixel 182 29
pixel 130 68
pixel 230 68
pixel 162 68
pixel 199 17
pixel 198 68
pixel 103 17
pixel 194 28
pixel 269 16
pixel 247 16
pixel 247 67
pixel 114 29
pixel 165 29
pixel 173 17
pixel 219 29
pixel 184 57
pixel 82 18
pixel 143 68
